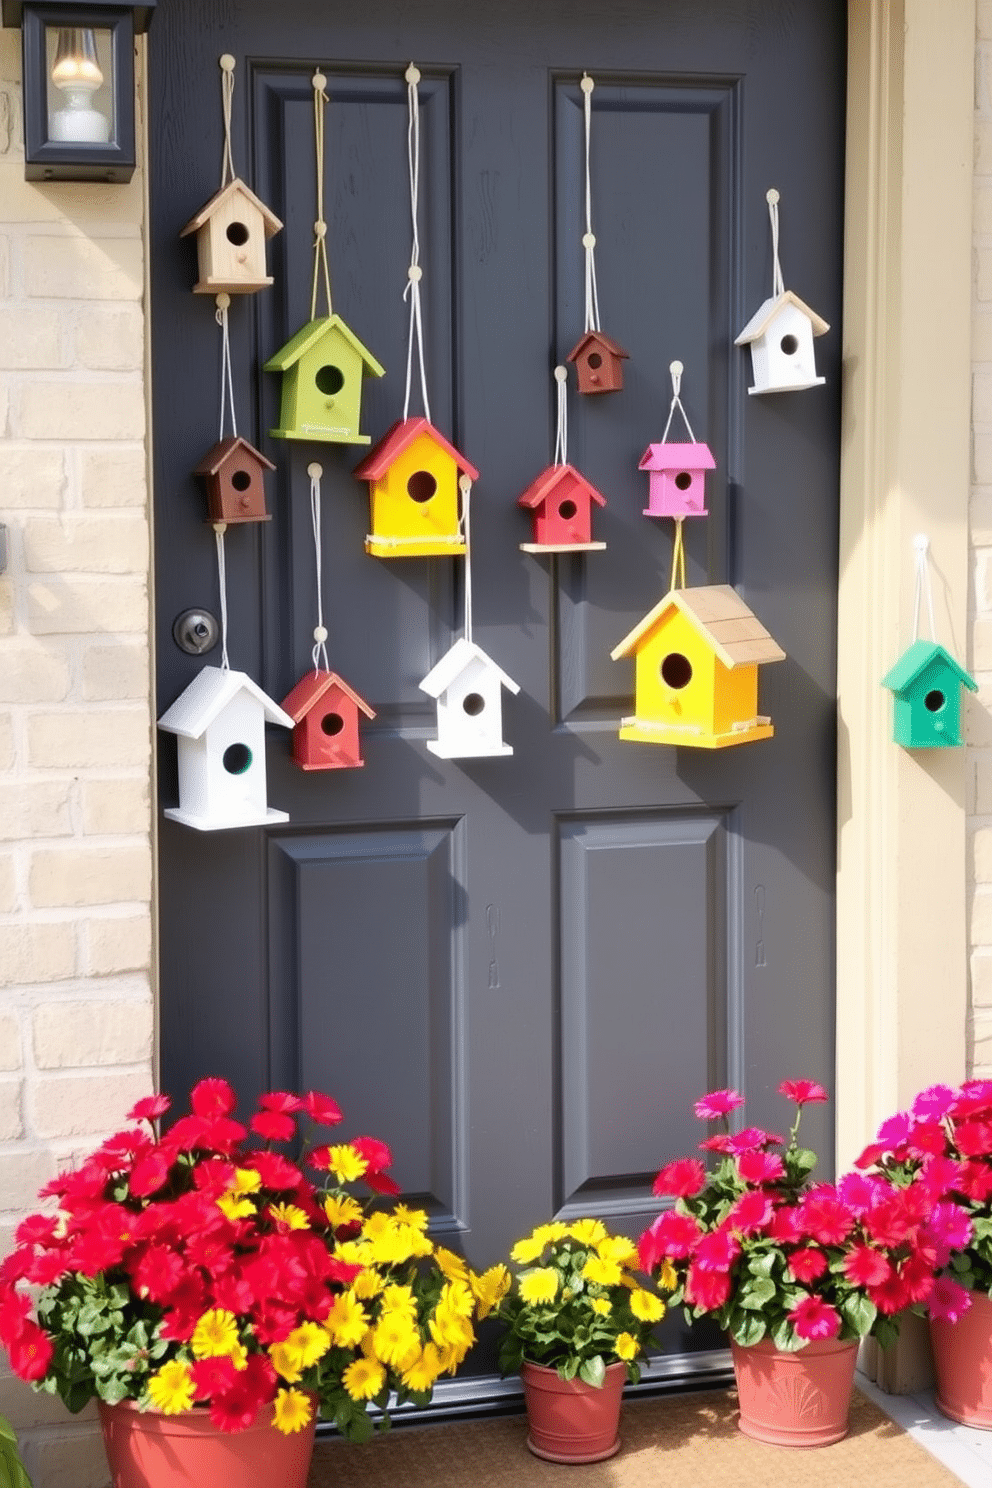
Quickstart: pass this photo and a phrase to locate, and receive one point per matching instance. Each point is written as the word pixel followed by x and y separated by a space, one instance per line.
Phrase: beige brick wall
pixel 76 1004
pixel 980 710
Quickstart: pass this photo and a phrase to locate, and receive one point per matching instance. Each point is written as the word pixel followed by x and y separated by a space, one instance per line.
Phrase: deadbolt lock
pixel 195 631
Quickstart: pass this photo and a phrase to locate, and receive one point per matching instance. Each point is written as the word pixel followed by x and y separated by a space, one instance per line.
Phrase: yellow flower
pixel 601 1305
pixel 396 1341
pixel 646 1306
pixel 246 1180
pixel 342 1209
pixel 667 1278
pixel 540 1285
pixel 527 1250
pixel 291 1411
pixel 457 1296
pixel 235 1208
pixel 489 1288
pixel 311 1343
pixel 452 1265
pixel 347 1322
pixel 397 1244
pixel 171 1389
pixel 450 1331
pixel 345 1163
pixel 549 1233
pixel 354 1252
pixel 215 1335
pixel 588 1231
pixel 363 1379
pixel 617 1248
pixel 399 1299
pixel 603 1273
pixel 286 1361
pixel 422 1374
pixel 369 1284
pixel 415 1217
pixel 626 1346
pixel 289 1215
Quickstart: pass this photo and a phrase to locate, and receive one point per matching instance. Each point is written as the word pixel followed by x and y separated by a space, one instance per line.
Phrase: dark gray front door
pixel 520 972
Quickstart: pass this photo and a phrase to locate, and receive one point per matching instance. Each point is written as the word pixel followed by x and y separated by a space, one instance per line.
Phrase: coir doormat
pixel 690 1441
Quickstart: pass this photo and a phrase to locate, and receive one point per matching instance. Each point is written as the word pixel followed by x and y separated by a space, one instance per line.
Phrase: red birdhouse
pixel 325 713
pixel 233 473
pixel 598 363
pixel 560 502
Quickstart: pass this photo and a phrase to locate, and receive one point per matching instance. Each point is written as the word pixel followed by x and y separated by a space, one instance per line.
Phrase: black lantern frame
pixel 46 159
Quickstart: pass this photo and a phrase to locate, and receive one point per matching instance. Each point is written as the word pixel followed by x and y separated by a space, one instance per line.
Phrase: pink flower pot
pixel 962 1356
pixel 569 1420
pixel 146 1449
pixel 795 1400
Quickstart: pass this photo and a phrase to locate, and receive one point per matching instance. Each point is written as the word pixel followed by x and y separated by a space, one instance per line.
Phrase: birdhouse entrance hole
pixel 237 759
pixel 329 380
pixel 676 670
pixel 935 700
pixel 421 486
pixel 594 360
pixel 241 480
pixel 683 480
pixel 331 724
pixel 789 345
pixel 473 704
pixel 237 234
pixel 567 510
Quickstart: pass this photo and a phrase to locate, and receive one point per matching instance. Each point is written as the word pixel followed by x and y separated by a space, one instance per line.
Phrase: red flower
pixel 683 1178
pixel 375 1153
pixel 255 1385
pixel 212 1097
pixel 274 1126
pixel 927 1138
pixel 672 1235
pixel 706 1289
pixel 149 1108
pixel 150 1173
pixel 916 1273
pixel 158 1273
pixel 813 1318
pixel 866 1267
pixel 825 1218
pixel 213 1377
pixel 890 1296
pixel 753 1138
pixel 785 1226
pixel 948 1300
pixel 280 1100
pixel 14 1309
pixel 719 1143
pixel 322 1109
pixel 806 1265
pixel 974 1138
pixel 381 1183
pixel 869 1157
pixel 751 1213
pixel 718 1103
pixel 760 1167
pixel 716 1251
pixel 276 1171
pixel 803 1092
pixel 30 1352
pixel 975 1181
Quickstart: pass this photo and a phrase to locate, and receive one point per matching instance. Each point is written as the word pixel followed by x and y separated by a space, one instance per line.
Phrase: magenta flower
pixel 896 1129
pixel 716 1251
pixel 760 1167
pixel 753 1139
pixel 860 1193
pixel 785 1226
pixel 803 1092
pixel 948 1227
pixel 949 1301
pixel 933 1103
pixel 682 1178
pixel 812 1318
pixel 939 1175
pixel 718 1103
pixel 751 1213
pixel 865 1266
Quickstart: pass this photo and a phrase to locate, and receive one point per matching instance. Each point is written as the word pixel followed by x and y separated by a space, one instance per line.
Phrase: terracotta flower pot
pixel 146 1449
pixel 795 1400
pixel 962 1356
pixel 569 1420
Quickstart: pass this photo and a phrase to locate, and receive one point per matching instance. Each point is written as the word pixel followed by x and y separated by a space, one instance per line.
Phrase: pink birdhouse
pixel 325 713
pixel 560 501
pixel 678 478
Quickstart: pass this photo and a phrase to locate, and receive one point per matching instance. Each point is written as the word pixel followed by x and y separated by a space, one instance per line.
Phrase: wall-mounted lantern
pixel 78 83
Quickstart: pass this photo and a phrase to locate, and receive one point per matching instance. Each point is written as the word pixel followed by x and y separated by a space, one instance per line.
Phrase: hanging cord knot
pixel 227 65
pixel 921 548
pixel 414 274
pixel 561 435
pixel 320 264
pixel 319 652
pixel 778 283
pixel 589 237
pixel 676 369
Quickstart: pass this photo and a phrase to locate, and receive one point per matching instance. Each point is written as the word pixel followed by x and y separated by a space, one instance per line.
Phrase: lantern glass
pixel 80 73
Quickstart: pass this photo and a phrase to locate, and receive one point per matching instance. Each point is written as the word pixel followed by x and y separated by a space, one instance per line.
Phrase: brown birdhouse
pixel 230 241
pixel 233 474
pixel 325 713
pixel 598 363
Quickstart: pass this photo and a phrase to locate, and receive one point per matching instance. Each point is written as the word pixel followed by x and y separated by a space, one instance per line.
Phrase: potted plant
pixel 577 1321
pixel 940 1153
pixel 797 1272
pixel 216 1296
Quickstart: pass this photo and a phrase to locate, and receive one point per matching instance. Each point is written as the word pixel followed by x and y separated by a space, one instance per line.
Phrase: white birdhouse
pixel 467 685
pixel 780 336
pixel 219 722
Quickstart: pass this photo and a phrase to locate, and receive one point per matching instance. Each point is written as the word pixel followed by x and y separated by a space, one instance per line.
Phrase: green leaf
pixel 784 1337
pixel 756 1294
pixel 763 1263
pixel 859 1312
pixel 593 1371
pixel 749 1331
pixel 885 1332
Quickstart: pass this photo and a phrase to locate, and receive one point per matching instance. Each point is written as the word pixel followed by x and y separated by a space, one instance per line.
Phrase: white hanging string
pixel 921 547
pixel 226 376
pixel 589 237
pixel 414 274
pixel 778 283
pixel 561 436
pixel 319 653
pixel 465 486
pixel 320 102
pixel 227 65
pixel 676 369
pixel 219 529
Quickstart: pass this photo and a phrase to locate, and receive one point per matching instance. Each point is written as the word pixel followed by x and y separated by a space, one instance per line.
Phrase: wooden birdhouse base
pixel 788 387
pixel 212 824
pixel 229 286
pixel 311 434
pixel 646 731
pixel 463 751
pixel 395 547
pixel 344 764
pixel 589 547
pixel 677 516
pixel 236 521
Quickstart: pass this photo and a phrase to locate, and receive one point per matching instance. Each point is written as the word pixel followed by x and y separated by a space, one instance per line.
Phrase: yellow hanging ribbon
pixel 678 559
pixel 320 101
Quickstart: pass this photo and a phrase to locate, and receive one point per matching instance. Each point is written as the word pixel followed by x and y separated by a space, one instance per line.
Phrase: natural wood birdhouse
pixel 926 682
pixel 780 335
pixel 598 363
pixel 560 501
pixel 322 370
pixel 696 682
pixel 677 475
pixel 325 710
pixel 230 241
pixel 413 490
pixel 467 685
pixel 219 722
pixel 233 473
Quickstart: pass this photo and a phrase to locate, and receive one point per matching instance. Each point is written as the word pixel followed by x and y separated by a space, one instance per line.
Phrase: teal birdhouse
pixel 926 683
pixel 322 368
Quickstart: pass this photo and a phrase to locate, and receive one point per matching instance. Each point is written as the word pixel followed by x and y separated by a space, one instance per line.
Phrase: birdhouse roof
pixel 919 656
pixel 607 343
pixel 208 695
pixel 766 313
pixel 540 489
pixel 236 187
pixel 677 457
pixel 399 438
pixel 215 459
pixel 310 689
pixel 722 619
pixel 454 662
pixel 310 335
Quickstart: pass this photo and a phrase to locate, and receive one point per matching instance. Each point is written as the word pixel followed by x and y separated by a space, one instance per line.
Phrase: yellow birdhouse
pixel 696 682
pixel 230 241
pixel 413 488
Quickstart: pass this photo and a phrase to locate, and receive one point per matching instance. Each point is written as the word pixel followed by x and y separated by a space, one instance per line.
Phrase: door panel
pixel 522 971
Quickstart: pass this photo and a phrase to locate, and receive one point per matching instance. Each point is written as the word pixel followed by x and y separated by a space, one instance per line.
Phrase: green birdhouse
pixel 322 370
pixel 926 682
